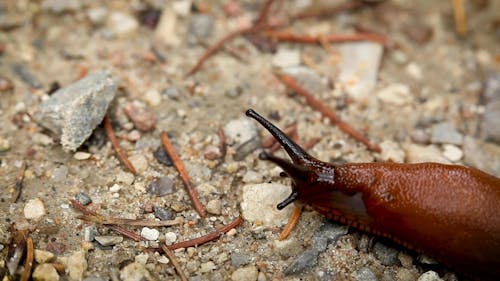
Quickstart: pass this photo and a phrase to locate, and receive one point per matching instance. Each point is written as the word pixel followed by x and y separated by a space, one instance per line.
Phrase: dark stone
pixel 161 186
pixel 83 198
pixel 162 157
pixel 163 214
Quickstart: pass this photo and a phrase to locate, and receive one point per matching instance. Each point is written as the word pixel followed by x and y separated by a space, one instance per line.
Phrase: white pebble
pixel 152 97
pixel 115 188
pixel 163 260
pixel 122 24
pixel 170 238
pixel 396 94
pixel 34 209
pixel 81 155
pixel 414 70
pixel 125 178
pixel 452 152
pixel 150 233
pixel 207 267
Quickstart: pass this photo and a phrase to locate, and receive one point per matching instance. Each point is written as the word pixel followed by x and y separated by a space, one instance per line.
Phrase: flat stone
pixel 365 274
pixel 80 155
pixel 83 198
pixel 34 209
pixel 248 273
pixel 161 186
pixel 260 200
pixel 214 206
pixel 140 162
pixel 452 152
pixel 45 272
pixel 73 112
pixel 418 154
pixel 42 256
pixel 76 264
pixel 134 272
pixel 359 68
pixel 108 240
pixel 445 133
pixel 207 267
pixel 150 233
pixel 125 178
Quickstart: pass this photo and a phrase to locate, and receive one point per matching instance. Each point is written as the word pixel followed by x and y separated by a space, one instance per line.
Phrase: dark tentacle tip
pixel 263 155
pixel 250 112
pixel 288 200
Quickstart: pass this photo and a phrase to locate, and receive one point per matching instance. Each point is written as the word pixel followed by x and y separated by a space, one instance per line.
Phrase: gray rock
pixel 109 240
pixel 360 63
pixel 245 149
pixel 163 214
pixel 89 233
pixel 60 174
pixel 446 133
pixel 83 198
pixel 162 157
pixel 214 206
pixel 386 255
pixel 240 130
pixel 34 209
pixel 488 126
pixel 26 75
pixel 161 186
pixel 201 26
pixel 239 259
pixel 482 155
pixel 365 274
pixel 328 233
pixel 307 77
pixel 74 111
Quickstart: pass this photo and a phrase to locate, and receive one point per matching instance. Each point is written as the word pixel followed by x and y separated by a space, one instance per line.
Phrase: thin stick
pixel 326 112
pixel 28 264
pixel 292 222
pixel 117 228
pixel 19 183
pixel 193 194
pixel 112 137
pixel 332 38
pixel 207 238
pixel 133 222
pixel 311 143
pixel 216 47
pixel 222 144
pixel 174 261
pixel 460 16
pixel 264 13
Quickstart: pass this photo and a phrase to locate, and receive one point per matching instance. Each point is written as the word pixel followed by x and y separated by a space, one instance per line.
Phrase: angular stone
pixel 73 112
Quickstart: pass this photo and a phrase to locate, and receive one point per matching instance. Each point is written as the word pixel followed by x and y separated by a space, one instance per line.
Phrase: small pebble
pixel 405 274
pixel 429 276
pixel 172 93
pixel 405 259
pixel 201 26
pixel 150 233
pixel 248 273
pixel 239 259
pixel 446 133
pixel 170 238
pixel 162 157
pixel 163 213
pixel 34 209
pixel 45 272
pixel 115 188
pixel 207 267
pixel 418 32
pixel 125 177
pixel 365 274
pixel 142 117
pixel 108 240
pixel 134 136
pixel 452 152
pixel 152 97
pixel 395 94
pixel 134 272
pixel 80 155
pixel 97 15
pixel 163 260
pixel 239 131
pixel 83 198
pixel 386 255
pixel 4 144
pixel 286 58
pixel 76 265
pixel 252 177
pixel 166 31
pixel 391 152
pixel 89 233
pixel 161 186
pixel 5 84
pixel 60 174
pixel 42 256
pixel 182 7
pixel 122 24
pixel 214 206
pixel 140 162
pixel 414 71
pixel 419 154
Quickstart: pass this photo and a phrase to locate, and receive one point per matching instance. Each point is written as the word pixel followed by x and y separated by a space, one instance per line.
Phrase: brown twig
pixel 311 143
pixel 291 83
pixel 207 238
pixel 264 13
pixel 133 222
pixel 222 144
pixel 284 36
pixel 193 194
pixel 174 261
pixel 17 245
pixel 112 137
pixel 28 263
pixel 460 17
pixel 292 222
pixel 19 183
pixel 117 228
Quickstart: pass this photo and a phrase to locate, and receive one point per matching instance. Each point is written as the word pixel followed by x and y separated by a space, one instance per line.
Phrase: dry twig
pixel 460 16
pixel 174 261
pixel 112 137
pixel 133 222
pixel 292 222
pixel 193 194
pixel 333 38
pixel 28 263
pixel 291 83
pixel 207 238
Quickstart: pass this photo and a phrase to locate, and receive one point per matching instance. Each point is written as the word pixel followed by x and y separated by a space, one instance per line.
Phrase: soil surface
pixel 426 103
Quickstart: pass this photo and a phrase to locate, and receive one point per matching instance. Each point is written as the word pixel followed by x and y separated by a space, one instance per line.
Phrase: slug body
pixel 449 212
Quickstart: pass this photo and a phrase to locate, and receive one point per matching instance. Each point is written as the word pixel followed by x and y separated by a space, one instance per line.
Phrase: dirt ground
pixel 429 78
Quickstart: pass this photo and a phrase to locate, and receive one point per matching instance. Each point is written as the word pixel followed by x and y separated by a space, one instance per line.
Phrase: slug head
pixel 308 174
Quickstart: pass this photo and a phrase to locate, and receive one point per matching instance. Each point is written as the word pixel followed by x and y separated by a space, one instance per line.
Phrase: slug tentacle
pixel 298 155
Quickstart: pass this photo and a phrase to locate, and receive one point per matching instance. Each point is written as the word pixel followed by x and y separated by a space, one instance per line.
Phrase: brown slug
pixel 449 212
